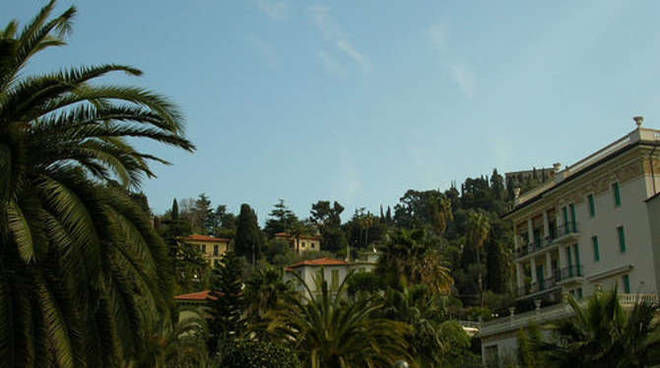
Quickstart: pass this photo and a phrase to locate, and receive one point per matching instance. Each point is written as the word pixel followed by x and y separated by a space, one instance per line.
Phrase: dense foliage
pixel 259 354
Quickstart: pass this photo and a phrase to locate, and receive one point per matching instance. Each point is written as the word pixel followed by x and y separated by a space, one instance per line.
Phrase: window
pixel 617 194
pixel 594 242
pixel 492 356
pixel 215 250
pixel 203 248
pixel 592 205
pixel 335 279
pixel 579 293
pixel 564 211
pixel 313 245
pixel 626 284
pixel 622 239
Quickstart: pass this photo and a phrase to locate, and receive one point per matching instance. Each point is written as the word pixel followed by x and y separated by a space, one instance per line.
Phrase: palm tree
pixel 180 345
pixel 477 234
pixel 328 331
pixel 408 258
pixel 81 267
pixel 602 334
pixel 263 291
pixel 424 312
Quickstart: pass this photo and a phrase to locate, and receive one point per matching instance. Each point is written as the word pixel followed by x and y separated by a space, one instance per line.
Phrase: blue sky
pixel 358 101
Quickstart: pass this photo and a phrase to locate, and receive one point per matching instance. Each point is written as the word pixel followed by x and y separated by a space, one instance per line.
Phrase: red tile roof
pixel 307 237
pixel 206 238
pixel 200 295
pixel 325 261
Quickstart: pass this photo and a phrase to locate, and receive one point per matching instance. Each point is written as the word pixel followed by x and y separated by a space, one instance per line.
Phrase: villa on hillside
pixel 333 271
pixel 301 243
pixel 595 225
pixel 212 248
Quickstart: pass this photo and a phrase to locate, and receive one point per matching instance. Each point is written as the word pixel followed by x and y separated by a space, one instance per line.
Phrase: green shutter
pixel 626 284
pixel 594 241
pixel 592 205
pixel 573 220
pixel 617 194
pixel 622 239
pixel 564 210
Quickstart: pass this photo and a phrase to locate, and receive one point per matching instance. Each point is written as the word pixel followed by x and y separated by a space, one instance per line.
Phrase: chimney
pixel 638 120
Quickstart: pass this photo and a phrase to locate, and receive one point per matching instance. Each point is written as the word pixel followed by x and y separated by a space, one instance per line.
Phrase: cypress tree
pixel 249 238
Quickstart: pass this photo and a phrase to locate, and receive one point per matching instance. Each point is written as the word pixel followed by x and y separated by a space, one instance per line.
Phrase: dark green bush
pixel 259 355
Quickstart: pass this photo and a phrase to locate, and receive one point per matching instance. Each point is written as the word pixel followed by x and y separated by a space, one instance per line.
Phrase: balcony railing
pixel 571 272
pixel 551 282
pixel 538 244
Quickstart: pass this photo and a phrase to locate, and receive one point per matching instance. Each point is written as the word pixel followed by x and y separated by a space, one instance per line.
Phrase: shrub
pixel 259 354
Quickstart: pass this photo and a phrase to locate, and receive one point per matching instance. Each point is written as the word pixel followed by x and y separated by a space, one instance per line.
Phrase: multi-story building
pixel 301 243
pixel 595 225
pixel 333 271
pixel 212 248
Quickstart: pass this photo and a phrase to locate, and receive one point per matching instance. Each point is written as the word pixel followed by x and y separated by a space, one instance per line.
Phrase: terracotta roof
pixel 308 237
pixel 206 238
pixel 325 261
pixel 200 295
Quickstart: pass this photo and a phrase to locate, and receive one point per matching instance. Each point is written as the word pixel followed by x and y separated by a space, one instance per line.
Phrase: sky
pixel 359 101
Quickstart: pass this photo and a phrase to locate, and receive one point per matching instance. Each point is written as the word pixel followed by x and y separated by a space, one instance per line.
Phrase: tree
pixel 281 219
pixel 227 320
pixel 328 220
pixel 263 291
pixel 82 266
pixel 259 354
pixel 249 239
pixel 180 345
pixel 478 230
pixel 602 334
pixel 330 332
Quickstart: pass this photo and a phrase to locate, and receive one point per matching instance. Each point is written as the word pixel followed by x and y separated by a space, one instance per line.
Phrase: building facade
pixel 301 243
pixel 212 248
pixel 594 226
pixel 333 271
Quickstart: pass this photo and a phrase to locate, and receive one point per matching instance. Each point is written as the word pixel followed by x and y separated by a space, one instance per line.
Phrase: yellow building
pixel 302 243
pixel 212 248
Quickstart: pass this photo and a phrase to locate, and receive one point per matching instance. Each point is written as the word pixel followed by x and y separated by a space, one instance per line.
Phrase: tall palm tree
pixel 81 267
pixel 423 310
pixel 603 334
pixel 328 331
pixel 478 229
pixel 263 291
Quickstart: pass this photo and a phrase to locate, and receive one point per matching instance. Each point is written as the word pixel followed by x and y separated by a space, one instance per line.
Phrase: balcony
pixel 571 273
pixel 557 234
pixel 559 277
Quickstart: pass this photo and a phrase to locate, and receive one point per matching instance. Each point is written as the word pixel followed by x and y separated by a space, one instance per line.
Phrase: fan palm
pixel 602 334
pixel 81 267
pixel 328 331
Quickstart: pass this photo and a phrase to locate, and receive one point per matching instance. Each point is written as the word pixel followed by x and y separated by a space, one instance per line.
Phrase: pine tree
pixel 281 219
pixel 227 317
pixel 249 239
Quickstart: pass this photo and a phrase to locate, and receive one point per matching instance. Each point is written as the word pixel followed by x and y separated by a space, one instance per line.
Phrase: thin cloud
pixel 458 70
pixel 264 50
pixel 277 10
pixel 334 34
pixel 438 36
pixel 464 78
pixel 331 65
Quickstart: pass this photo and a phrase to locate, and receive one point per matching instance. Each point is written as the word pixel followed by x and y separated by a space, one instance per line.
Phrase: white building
pixel 333 271
pixel 596 224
